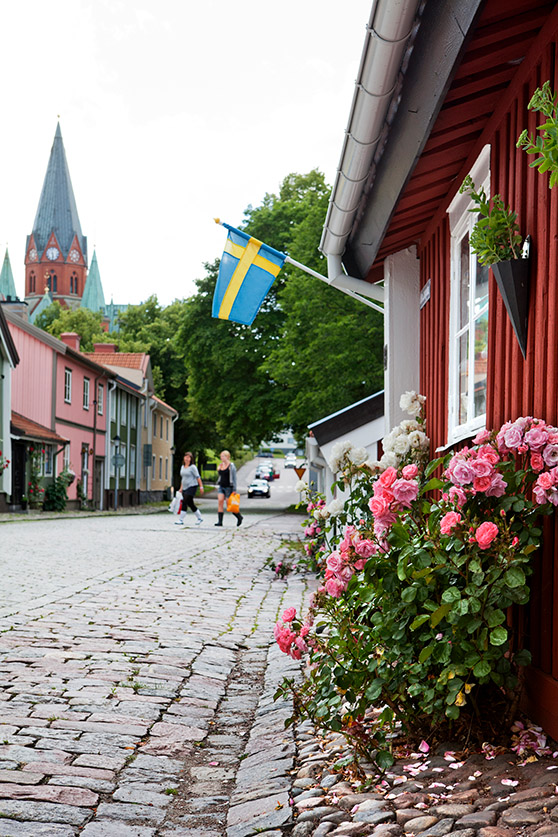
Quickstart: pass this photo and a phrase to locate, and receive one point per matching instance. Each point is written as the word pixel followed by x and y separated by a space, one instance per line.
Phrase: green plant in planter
pixel 545 145
pixel 495 236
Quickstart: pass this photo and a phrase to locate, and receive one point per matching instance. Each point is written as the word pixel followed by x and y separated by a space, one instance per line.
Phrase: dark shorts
pixel 227 490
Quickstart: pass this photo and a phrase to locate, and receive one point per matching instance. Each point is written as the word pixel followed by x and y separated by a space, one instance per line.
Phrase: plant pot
pixel 512 278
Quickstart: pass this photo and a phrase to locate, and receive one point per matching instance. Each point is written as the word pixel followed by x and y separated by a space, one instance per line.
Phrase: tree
pixel 82 321
pixel 310 351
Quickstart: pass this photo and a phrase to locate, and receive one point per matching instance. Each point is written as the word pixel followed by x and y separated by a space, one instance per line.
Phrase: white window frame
pixel 123 407
pixel 113 405
pixel 66 458
pixel 132 462
pixel 67 385
pixel 462 221
pixel 100 399
pixel 48 461
pixel 86 387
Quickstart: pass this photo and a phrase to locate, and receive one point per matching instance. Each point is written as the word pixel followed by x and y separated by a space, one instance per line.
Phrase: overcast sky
pixel 172 112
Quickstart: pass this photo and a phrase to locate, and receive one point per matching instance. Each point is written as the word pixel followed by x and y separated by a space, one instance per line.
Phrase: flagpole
pixel 365 289
pixel 347 291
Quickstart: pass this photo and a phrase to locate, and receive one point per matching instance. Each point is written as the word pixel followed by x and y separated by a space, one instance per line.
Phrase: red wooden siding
pixel 515 386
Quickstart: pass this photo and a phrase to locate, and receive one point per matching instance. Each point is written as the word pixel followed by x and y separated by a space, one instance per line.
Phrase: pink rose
pixel 361 563
pixel 485 534
pixel 545 481
pixel 536 437
pixel 378 506
pixel 482 483
pixel 410 472
pixel 334 563
pixel 498 486
pixel 550 455
pixel 482 467
pixel 537 462
pixel 462 474
pixel 346 574
pixel 388 477
pixel 487 452
pixel 448 522
pixel 457 496
pixel 305 630
pixel 365 548
pixel 289 614
pixel 405 491
pixel 513 437
pixel 481 437
pixel 334 587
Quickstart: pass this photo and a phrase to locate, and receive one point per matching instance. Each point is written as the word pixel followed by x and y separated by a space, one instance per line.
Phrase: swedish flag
pixel 248 269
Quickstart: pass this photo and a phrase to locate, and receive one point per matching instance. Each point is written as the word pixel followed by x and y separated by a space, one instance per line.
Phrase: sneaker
pixel 199 520
pixel 179 523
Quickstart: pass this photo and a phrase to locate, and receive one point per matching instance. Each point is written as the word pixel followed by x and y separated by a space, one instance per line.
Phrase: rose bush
pixel 410 618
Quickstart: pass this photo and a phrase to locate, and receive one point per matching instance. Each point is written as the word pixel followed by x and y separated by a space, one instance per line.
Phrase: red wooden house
pixel 442 92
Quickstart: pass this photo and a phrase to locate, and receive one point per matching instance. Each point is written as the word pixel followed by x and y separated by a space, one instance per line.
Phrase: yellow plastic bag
pixel 233 503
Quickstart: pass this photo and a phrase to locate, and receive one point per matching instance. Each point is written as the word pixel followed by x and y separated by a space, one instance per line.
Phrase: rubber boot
pixel 239 518
pixel 220 520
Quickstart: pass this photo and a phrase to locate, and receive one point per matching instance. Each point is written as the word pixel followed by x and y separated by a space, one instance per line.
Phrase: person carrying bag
pixel 226 488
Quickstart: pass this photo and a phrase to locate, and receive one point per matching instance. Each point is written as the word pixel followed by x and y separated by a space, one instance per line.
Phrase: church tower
pixel 56 250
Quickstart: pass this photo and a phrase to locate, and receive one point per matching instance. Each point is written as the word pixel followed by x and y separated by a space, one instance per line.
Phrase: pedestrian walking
pixel 190 481
pixel 226 486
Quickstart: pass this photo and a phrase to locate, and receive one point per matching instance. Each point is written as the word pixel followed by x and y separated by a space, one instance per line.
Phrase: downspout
pixel 390 26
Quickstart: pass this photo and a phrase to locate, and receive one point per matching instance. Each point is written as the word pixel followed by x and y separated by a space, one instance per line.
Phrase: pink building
pixel 65 396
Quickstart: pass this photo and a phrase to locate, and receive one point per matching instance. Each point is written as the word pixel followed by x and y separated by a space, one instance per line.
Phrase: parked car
pixel 290 460
pixel 265 454
pixel 258 488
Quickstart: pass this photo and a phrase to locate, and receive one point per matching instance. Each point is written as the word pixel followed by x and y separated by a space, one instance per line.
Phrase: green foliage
pixel 495 236
pixel 35 491
pixel 57 320
pixel 409 626
pixel 545 145
pixel 56 494
pixel 292 365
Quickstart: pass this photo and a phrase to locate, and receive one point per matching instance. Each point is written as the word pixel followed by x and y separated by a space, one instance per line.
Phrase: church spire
pixel 57 211
pixel 7 285
pixel 93 296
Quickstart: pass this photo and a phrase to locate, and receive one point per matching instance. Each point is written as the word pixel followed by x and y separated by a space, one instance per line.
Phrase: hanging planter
pixel 496 241
pixel 512 278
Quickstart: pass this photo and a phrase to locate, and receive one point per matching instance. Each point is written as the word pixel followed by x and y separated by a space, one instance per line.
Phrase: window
pixel 122 470
pixel 468 316
pixel 166 469
pixel 112 455
pixel 100 399
pixel 167 436
pixel 132 461
pixel 66 458
pixel 113 405
pixel 85 468
pixel 161 427
pixel 68 386
pixel 160 467
pixel 123 407
pixel 154 427
pixel 47 461
pixel 133 412
pixel 73 283
pixel 52 282
pixel 86 393
pixel 153 466
pixel 32 283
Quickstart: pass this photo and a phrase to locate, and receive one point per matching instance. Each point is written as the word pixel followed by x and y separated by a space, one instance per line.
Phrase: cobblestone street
pixel 137 669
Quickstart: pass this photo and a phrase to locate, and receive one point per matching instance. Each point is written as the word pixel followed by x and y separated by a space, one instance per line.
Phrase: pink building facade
pixel 65 394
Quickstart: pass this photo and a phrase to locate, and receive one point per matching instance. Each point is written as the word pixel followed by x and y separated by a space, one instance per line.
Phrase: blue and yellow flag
pixel 246 274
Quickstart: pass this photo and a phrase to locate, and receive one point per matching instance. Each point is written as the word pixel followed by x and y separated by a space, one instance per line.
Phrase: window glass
pixel 132 461
pixel 100 399
pixel 86 393
pixel 68 386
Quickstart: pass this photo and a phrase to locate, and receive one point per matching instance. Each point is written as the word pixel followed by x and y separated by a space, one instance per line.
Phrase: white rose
pixel 335 507
pixel 389 460
pixel 358 455
pixel 418 439
pixel 301 486
pixel 401 445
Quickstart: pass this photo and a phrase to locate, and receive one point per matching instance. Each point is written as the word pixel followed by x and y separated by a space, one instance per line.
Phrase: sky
pixel 172 112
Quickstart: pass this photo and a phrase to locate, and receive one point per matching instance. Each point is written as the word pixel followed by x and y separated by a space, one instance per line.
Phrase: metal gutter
pixel 390 27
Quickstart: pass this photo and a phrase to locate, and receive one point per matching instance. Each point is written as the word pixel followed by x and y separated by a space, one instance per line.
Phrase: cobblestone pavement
pixel 137 673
